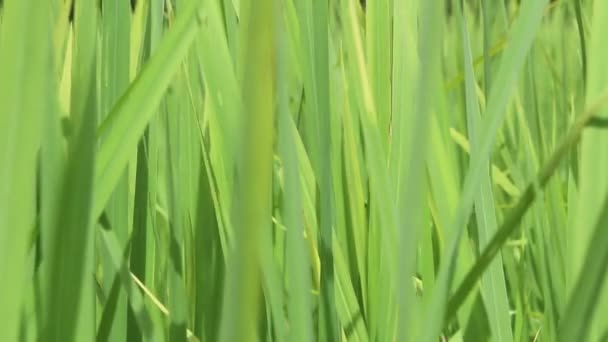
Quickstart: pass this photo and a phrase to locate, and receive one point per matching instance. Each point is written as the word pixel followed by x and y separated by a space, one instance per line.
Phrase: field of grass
pixel 303 170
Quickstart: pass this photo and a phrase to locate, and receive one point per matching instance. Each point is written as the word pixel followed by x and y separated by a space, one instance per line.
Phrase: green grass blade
pixel 72 314
pixel 109 312
pixel 379 19
pixel 513 58
pixel 578 318
pixel 405 76
pixel 209 263
pixel 581 34
pixel 593 166
pixel 24 95
pixel 347 306
pixel 254 173
pixel 110 243
pixel 139 235
pixel 176 237
pixel 355 194
pixel 314 27
pixel 223 104
pixel 493 286
pixel 515 215
pixel 128 119
pixel 114 79
pixel 411 136
pixel 299 283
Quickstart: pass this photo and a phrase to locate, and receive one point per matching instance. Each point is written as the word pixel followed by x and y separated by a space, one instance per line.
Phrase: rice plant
pixel 303 170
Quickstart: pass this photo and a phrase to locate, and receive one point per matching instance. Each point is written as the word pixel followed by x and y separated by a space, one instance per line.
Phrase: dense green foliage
pixel 299 170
